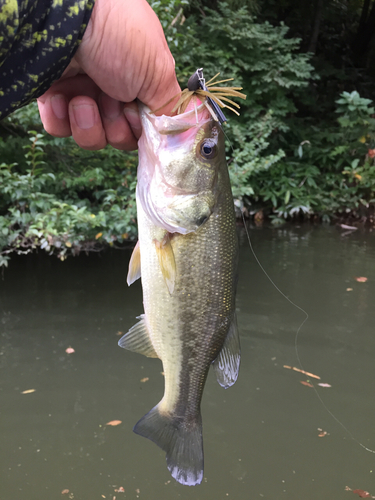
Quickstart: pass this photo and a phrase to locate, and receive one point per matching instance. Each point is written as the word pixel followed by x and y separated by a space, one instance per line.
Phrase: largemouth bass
pixel 187 258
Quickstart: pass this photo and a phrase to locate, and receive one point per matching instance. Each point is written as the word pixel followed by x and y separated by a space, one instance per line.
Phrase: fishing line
pixel 296 339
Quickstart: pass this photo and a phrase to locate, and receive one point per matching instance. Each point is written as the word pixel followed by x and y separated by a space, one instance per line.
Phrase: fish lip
pixel 171 125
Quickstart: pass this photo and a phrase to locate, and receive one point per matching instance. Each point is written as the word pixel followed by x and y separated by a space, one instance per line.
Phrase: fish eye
pixel 208 149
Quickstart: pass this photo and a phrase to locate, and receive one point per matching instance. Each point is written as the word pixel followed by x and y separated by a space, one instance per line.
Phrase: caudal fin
pixel 182 443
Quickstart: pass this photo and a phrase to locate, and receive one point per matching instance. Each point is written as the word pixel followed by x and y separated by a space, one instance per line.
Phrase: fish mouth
pixel 178 124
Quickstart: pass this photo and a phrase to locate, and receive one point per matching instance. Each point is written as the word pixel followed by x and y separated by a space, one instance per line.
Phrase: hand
pixel 123 56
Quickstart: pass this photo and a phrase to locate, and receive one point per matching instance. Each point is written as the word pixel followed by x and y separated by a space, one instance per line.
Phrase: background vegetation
pixel 304 145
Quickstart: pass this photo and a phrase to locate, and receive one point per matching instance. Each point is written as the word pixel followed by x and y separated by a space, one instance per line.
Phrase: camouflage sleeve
pixel 38 38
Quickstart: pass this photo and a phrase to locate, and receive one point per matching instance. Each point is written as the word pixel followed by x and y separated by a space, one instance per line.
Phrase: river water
pixel 269 436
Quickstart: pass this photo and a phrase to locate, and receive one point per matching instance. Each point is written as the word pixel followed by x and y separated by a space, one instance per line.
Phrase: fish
pixel 186 257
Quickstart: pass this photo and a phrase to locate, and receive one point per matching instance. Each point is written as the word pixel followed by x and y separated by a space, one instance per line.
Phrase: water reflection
pixel 261 436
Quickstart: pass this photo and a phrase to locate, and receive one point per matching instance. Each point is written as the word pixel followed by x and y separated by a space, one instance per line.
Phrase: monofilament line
pixel 296 339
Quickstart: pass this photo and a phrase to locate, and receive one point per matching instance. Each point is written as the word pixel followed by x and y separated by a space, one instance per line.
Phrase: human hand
pixel 123 56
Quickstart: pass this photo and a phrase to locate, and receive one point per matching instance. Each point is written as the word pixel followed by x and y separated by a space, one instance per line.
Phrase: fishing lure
pixel 211 95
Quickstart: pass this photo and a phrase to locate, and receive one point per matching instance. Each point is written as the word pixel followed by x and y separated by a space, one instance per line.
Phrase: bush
pixel 331 169
pixel 61 198
pixel 262 59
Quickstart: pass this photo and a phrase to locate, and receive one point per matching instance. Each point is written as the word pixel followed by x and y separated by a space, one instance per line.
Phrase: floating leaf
pixel 349 289
pixel 308 374
pixel 360 493
pixel 29 391
pixel 306 383
pixel 363 494
pixel 69 350
pixel 144 379
pixel 324 385
pixel 113 423
pixel 120 490
pixel 65 492
pixel 361 279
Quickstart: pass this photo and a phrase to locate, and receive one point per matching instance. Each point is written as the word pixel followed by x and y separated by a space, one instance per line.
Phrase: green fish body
pixel 187 259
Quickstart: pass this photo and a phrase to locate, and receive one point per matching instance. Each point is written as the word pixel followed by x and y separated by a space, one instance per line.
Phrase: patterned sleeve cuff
pixel 37 41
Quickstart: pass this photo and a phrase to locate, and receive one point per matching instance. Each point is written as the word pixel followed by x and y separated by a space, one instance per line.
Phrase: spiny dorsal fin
pixel 167 262
pixel 227 364
pixel 134 271
pixel 138 339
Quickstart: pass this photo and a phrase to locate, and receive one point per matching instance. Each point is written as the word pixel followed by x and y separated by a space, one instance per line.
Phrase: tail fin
pixel 182 443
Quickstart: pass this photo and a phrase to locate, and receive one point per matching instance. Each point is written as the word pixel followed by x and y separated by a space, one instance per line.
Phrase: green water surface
pixel 261 437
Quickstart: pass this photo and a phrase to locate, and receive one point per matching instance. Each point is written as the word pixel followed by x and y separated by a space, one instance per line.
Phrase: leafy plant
pixel 331 171
pixel 72 208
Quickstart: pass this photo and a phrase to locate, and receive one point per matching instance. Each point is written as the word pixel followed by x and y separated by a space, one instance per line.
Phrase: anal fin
pixel 134 271
pixel 138 339
pixel 227 364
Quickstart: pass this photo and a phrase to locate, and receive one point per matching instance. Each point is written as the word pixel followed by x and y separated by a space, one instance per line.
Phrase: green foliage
pixel 332 170
pixel 263 60
pixel 63 199
pixel 303 145
pixel 260 57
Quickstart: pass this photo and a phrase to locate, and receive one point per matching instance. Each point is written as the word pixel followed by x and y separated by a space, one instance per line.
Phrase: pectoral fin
pixel 227 364
pixel 138 339
pixel 134 271
pixel 167 263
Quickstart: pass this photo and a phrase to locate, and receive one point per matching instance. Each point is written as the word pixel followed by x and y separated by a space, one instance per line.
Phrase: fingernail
pixel 84 116
pixel 59 106
pixel 111 107
pixel 133 118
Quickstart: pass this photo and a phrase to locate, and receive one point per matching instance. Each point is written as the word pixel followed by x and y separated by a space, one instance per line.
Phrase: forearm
pixel 37 41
